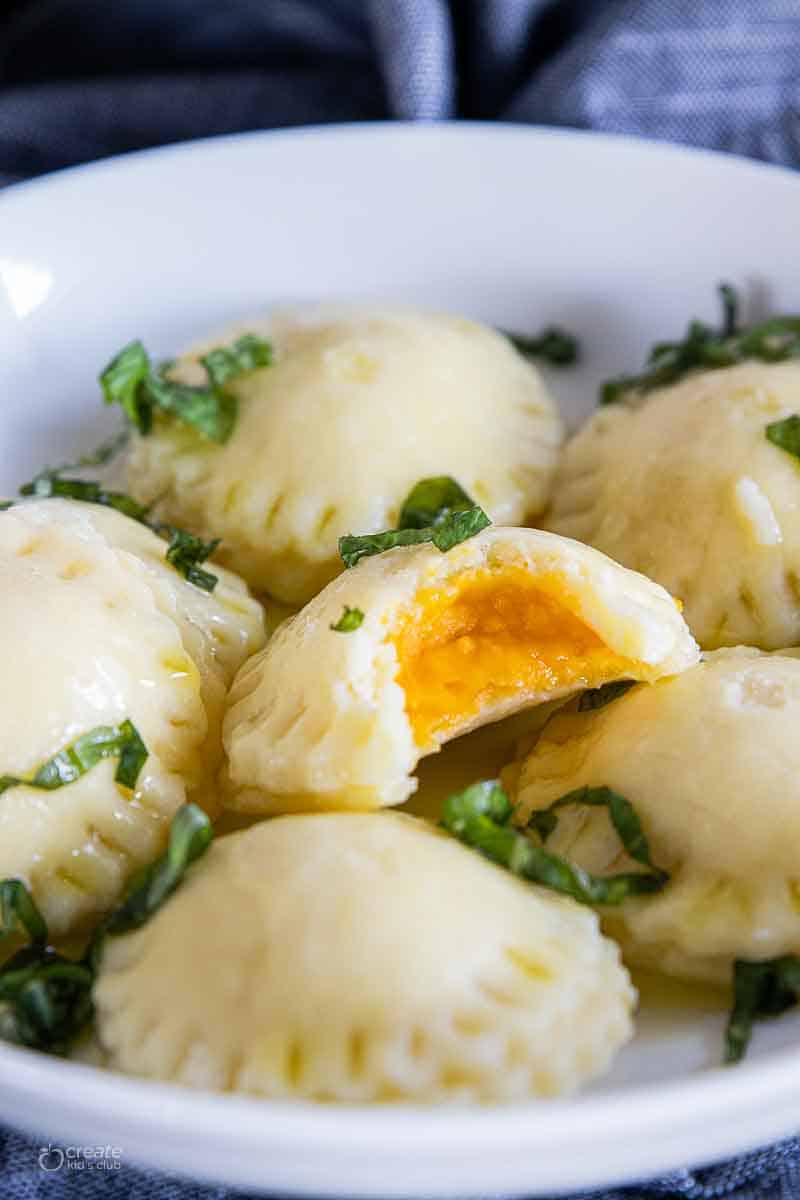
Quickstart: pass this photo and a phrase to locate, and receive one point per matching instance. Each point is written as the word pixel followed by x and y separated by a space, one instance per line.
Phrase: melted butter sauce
pixel 658 993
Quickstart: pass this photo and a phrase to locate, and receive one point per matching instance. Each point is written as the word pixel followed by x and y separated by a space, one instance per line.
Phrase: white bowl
pixel 618 240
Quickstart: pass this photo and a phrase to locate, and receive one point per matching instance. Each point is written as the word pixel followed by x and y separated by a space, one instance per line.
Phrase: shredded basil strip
pixel 553 344
pixel 50 483
pixel 185 551
pixel 599 697
pixel 760 989
pixel 480 815
pixel 19 913
pixel 706 348
pixel 105 741
pixel 6 504
pixel 131 381
pixel 247 354
pixel 123 382
pixel 46 998
pixel 349 621
pixel 623 818
pixel 453 528
pixel 190 836
pixel 431 500
pixel 785 434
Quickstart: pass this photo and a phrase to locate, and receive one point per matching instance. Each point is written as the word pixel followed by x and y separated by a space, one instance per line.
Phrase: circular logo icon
pixel 51 1158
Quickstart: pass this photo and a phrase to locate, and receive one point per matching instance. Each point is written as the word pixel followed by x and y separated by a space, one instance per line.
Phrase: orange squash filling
pixel 490 637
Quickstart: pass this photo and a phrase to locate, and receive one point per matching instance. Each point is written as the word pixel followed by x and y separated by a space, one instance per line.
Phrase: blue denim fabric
pixel 81 79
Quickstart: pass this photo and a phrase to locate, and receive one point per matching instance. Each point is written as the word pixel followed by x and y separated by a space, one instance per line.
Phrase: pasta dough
pixel 710 762
pixel 97 629
pixel 363 958
pixel 330 440
pixel 449 642
pixel 684 486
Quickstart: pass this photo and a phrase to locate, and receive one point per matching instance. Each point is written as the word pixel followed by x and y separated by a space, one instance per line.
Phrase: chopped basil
pixel 131 381
pixel 436 510
pixel 455 528
pixel 431 500
pixel 105 741
pixel 5 505
pixel 45 998
pixel 124 382
pixel 49 484
pixel 210 411
pixel 760 989
pixel 185 552
pixel 553 344
pixel 623 818
pixel 189 838
pixel 480 815
pixel 349 621
pixel 599 697
pixel 785 434
pixel 247 354
pixel 19 913
pixel 706 348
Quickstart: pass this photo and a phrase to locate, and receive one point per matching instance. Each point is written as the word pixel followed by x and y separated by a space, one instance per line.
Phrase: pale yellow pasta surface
pixel 363 957
pixel 357 408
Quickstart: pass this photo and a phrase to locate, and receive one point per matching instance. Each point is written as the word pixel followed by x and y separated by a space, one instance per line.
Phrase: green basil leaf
pixel 247 354
pixel 190 836
pixel 431 500
pixel 760 989
pixel 209 411
pixel 706 348
pixel 186 552
pixel 479 817
pixel 349 621
pixel 785 434
pixel 19 913
pixel 105 741
pixel 5 505
pixel 623 818
pixel 457 527
pixel 122 383
pixel 130 381
pixel 50 484
pixel 45 999
pixel 599 697
pixel 553 344
pixel 454 528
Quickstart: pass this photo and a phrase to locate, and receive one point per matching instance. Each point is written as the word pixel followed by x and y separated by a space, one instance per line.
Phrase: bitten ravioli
pixel 710 760
pixel 449 642
pixel 363 958
pixel 97 628
pixel 331 439
pixel 683 485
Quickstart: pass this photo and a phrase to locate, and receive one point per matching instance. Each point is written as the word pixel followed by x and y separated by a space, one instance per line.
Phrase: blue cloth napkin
pixel 82 79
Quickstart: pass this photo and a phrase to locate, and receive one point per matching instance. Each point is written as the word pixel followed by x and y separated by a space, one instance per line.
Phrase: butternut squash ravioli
pixel 511 618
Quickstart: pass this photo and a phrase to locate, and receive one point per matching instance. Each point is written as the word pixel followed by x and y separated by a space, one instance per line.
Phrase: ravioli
pixel 363 957
pixel 684 486
pixel 710 762
pixel 356 409
pixel 449 642
pixel 99 629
